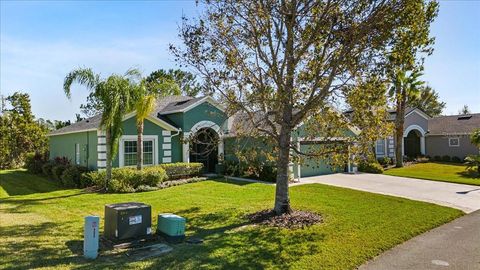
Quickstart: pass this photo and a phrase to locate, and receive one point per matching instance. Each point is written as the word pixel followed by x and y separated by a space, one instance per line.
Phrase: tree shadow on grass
pixel 471 174
pixel 16 182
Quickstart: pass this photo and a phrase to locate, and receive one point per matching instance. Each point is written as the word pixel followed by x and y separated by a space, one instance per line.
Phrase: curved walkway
pixel 463 197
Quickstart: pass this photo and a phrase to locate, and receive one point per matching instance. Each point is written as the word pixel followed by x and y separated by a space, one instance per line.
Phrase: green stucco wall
pixel 64 146
pixel 202 112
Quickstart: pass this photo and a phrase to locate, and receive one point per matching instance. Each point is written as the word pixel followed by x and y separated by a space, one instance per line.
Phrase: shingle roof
pixel 453 124
pixel 179 105
pixel 86 124
pixel 94 122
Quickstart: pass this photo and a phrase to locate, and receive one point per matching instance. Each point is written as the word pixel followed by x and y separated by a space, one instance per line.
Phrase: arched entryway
pixel 412 144
pixel 414 141
pixel 204 148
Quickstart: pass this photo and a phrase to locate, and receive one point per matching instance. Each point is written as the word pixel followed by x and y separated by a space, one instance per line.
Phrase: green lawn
pixel 446 172
pixel 41 225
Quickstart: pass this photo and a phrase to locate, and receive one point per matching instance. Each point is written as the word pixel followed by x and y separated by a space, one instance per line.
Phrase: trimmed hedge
pixel 71 176
pixel 456 159
pixel 180 170
pixel 126 180
pixel 385 161
pixel 370 167
pixel 446 158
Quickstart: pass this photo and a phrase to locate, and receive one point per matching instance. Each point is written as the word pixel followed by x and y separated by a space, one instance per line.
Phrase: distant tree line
pixel 20 133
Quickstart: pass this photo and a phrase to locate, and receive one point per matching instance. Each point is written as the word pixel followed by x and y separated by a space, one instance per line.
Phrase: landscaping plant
pixel 473 161
pixel 114 97
pixel 281 63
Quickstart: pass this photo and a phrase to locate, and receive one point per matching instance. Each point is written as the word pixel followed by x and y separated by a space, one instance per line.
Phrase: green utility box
pixel 172 227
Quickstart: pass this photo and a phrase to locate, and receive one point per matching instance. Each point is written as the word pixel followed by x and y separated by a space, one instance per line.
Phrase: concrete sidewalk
pixel 463 197
pixel 455 245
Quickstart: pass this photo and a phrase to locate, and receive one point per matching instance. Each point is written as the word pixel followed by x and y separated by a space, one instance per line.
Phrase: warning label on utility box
pixel 134 220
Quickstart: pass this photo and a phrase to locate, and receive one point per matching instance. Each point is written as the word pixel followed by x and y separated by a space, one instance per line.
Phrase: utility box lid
pixel 171 225
pixel 127 205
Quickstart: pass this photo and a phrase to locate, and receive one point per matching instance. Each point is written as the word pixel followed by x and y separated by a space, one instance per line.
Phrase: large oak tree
pixel 281 63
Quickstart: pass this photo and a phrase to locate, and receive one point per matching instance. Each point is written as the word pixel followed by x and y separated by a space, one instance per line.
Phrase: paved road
pixel 463 197
pixel 455 245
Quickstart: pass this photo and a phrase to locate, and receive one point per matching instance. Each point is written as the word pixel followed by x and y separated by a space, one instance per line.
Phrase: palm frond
pixel 83 76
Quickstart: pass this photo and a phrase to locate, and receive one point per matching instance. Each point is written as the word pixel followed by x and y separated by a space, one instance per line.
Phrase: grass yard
pixel 446 172
pixel 41 225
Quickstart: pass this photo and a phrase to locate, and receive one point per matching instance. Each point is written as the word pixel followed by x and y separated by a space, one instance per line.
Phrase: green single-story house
pixel 174 118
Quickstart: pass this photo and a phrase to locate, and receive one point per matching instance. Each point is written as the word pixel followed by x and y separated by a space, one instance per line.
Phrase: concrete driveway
pixel 463 197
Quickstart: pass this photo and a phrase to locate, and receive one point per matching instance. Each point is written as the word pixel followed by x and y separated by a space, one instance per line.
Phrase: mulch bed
pixel 293 220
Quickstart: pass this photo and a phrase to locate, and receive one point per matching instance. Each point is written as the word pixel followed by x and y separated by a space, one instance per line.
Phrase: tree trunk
pixel 399 122
pixel 108 165
pixel 139 145
pixel 282 199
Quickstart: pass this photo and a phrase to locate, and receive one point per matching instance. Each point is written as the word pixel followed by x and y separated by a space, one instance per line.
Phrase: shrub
pixel 268 173
pixel 370 167
pixel 456 159
pixel 384 161
pixel 89 179
pixel 473 161
pixel 437 158
pixel 422 159
pixel 231 168
pixel 47 169
pixel 127 179
pixel 61 161
pixel 57 171
pixel 71 176
pixel 181 170
pixel 446 158
pixel 34 162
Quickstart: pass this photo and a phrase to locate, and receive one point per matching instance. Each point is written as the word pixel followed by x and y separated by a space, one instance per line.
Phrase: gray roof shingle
pixel 453 124
pixel 94 122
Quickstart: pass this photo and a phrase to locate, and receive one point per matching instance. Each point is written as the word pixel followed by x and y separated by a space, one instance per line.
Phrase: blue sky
pixel 40 42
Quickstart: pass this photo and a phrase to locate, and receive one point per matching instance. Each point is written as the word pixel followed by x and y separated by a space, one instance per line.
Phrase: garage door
pixel 314 166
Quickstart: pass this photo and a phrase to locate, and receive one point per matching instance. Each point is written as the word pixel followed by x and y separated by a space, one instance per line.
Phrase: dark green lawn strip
pixel 45 229
pixel 19 182
pixel 445 172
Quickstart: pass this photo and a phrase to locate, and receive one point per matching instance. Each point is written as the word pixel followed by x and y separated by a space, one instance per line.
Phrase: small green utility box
pixel 172 227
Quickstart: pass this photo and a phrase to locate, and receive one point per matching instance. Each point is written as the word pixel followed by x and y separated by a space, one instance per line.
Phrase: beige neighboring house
pixel 432 136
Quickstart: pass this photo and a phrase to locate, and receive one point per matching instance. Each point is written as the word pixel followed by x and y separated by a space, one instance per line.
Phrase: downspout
pixel 178 133
pixel 173 135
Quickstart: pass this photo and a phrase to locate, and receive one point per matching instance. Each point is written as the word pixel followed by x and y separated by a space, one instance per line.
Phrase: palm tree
pixel 144 106
pixel 404 87
pixel 145 102
pixel 428 101
pixel 114 95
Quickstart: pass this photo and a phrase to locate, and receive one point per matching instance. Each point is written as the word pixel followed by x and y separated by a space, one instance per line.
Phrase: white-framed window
pixel 380 147
pixel 128 150
pixel 454 142
pixel 77 154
